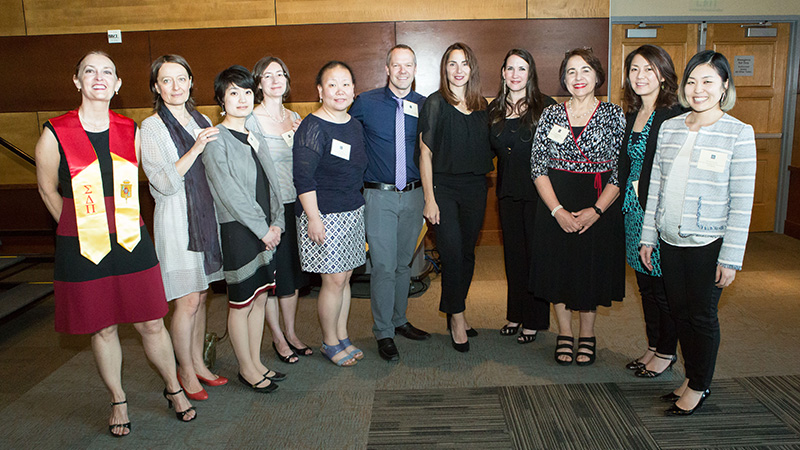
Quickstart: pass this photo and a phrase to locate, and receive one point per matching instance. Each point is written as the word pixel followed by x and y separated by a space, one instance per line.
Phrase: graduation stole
pixel 87 183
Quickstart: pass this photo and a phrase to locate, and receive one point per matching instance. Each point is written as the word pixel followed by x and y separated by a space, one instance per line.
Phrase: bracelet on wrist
pixel 597 210
pixel 555 210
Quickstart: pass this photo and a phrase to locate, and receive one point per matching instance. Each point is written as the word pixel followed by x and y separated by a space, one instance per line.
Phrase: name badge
pixel 252 141
pixel 340 149
pixel 558 133
pixel 713 161
pixel 635 185
pixel 410 108
pixel 288 137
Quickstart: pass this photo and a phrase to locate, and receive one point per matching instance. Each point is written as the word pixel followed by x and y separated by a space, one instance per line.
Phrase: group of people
pixel 264 198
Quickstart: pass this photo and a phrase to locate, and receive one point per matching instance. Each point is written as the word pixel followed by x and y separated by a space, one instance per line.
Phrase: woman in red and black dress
pixel 106 271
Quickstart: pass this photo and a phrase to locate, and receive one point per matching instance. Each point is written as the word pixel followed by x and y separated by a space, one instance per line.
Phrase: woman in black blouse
pixel 513 115
pixel 579 262
pixel 651 87
pixel 454 159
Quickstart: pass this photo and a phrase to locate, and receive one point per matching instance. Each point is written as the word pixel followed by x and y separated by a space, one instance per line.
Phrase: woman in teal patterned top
pixel 650 99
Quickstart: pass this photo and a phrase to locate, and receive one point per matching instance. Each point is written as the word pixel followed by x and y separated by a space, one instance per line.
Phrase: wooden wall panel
pixel 568 9
pixel 80 16
pixel 333 11
pixel 12 18
pixel 42 68
pixel 304 49
pixel 546 39
pixel 21 129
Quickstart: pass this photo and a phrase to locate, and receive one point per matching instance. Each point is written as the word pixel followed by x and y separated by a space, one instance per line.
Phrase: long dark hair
pixel 530 106
pixel 158 102
pixel 660 60
pixel 472 92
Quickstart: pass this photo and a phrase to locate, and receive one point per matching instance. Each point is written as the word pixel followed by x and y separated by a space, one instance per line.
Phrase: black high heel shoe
pixel 673 397
pixel 675 410
pixel 645 373
pixel 463 347
pixel 471 332
pixel 636 364
pixel 123 426
pixel 181 415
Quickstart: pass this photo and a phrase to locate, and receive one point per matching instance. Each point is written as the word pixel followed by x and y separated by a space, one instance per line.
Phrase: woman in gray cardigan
pixel 698 210
pixel 250 214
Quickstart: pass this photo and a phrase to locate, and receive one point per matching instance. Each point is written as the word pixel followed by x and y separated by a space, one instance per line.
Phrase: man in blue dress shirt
pixel 393 195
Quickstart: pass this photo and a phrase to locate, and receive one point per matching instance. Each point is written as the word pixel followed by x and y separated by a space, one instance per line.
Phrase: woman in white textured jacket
pixel 698 206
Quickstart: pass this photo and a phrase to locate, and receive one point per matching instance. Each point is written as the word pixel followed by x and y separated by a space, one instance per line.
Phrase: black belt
pixel 390 187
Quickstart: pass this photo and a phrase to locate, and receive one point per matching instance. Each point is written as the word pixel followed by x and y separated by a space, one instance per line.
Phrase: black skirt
pixel 288 276
pixel 586 270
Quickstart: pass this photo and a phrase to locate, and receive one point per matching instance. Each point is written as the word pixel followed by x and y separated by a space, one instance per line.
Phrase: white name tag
pixel 558 133
pixel 635 185
pixel 340 149
pixel 711 160
pixel 410 108
pixel 252 141
pixel 288 137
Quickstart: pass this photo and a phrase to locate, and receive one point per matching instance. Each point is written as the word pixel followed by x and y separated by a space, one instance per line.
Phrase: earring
pixel 222 113
pixel 79 89
pixel 505 88
pixel 722 98
pixel 320 99
pixel 116 91
pixel 662 85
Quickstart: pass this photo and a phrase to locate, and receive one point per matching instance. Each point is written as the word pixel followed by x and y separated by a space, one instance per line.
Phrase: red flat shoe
pixel 219 381
pixel 200 395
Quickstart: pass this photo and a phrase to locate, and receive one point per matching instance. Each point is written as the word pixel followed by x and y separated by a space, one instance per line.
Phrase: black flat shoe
pixel 509 330
pixel 117 426
pixel 277 376
pixel 645 373
pixel 264 389
pixel 675 410
pixel 526 338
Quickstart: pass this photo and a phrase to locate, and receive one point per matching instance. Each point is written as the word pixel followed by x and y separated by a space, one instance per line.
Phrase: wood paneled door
pixel 759 65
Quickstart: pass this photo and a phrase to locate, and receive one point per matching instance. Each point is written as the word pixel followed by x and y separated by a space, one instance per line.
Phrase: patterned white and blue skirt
pixel 344 247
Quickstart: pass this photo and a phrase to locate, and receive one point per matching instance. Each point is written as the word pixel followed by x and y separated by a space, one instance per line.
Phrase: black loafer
pixel 411 332
pixel 388 350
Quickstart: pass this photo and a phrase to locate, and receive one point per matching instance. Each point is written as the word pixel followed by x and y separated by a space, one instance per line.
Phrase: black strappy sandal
pixel 124 426
pixel 179 414
pixel 569 345
pixel 586 343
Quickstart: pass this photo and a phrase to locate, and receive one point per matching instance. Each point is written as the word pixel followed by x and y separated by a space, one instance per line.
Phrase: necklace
pixel 89 126
pixel 574 117
pixel 275 119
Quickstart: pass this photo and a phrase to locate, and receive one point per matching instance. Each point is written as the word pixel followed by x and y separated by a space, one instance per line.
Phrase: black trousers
pixel 516 221
pixel 689 274
pixel 462 201
pixel 662 333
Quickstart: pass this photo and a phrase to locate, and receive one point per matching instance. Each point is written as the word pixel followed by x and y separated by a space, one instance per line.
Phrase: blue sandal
pixel 357 353
pixel 329 351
